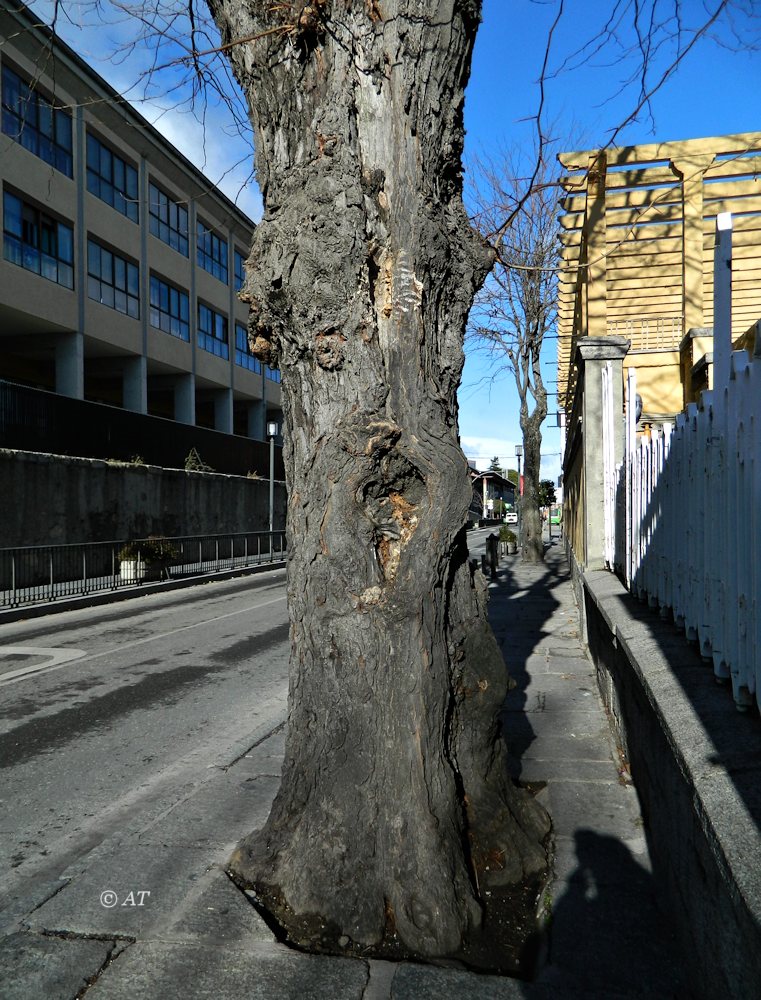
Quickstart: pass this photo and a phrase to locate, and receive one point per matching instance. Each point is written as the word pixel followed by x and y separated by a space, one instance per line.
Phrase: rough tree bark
pixel 394 807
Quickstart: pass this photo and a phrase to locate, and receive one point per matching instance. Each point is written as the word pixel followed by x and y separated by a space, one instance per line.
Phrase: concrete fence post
pixel 593 355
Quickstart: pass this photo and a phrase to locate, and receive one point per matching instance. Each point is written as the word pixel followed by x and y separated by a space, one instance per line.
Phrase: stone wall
pixel 696 764
pixel 52 499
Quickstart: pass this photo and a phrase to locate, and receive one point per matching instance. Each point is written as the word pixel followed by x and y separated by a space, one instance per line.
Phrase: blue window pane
pixel 131 183
pixel 65 244
pixel 93 258
pixel 120 273
pixel 12 214
pixel 12 249
pixel 63 130
pixel 106 264
pixel 66 275
pixel 45 119
pixel 106 164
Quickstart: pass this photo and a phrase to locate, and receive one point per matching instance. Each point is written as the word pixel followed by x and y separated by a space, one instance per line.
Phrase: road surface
pixel 110 716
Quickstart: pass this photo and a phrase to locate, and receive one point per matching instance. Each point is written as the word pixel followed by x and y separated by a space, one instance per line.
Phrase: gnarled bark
pixel 394 798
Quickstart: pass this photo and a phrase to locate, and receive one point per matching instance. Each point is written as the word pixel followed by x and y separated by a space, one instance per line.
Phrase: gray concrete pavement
pixel 157 698
pixel 195 935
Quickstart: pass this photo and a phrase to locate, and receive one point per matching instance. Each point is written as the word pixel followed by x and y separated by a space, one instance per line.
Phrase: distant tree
pixel 517 307
pixel 495 466
pixel 546 493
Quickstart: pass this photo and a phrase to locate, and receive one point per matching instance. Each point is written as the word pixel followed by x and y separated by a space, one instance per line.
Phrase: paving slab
pixel 266 758
pixel 106 898
pixel 615 859
pixel 48 967
pixel 217 816
pixel 426 982
pixel 258 972
pixel 530 769
pixel 216 910
pixel 568 746
pixel 609 809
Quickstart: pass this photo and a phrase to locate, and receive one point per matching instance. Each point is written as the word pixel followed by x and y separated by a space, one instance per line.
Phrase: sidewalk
pixel 195 935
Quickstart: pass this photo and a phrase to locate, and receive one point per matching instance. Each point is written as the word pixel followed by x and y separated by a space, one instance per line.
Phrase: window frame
pixel 105 182
pixel 113 287
pixel 209 252
pixel 208 340
pixel 29 131
pixel 45 248
pixel 165 228
pixel 175 324
pixel 243 356
pixel 239 275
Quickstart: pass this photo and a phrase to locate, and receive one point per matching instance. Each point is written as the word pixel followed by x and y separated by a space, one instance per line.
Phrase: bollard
pixel 492 554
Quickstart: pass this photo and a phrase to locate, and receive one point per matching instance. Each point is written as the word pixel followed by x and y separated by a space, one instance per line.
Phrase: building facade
pixel 638 232
pixel 121 261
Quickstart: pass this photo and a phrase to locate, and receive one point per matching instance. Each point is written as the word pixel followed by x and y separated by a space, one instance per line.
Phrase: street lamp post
pixel 272 429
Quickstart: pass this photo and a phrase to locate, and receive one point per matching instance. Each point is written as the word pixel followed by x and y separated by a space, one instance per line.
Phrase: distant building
pixel 492 493
pixel 121 262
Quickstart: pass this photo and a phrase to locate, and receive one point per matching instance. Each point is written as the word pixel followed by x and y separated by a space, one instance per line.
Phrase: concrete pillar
pixel 223 410
pixel 592 354
pixel 257 420
pixel 135 385
pixel 185 399
pixel 596 245
pixel 70 365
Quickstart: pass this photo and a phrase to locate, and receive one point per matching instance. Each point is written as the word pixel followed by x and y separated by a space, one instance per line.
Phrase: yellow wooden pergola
pixel 637 234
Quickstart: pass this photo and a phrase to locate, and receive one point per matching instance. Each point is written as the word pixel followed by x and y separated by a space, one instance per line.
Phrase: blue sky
pixel 714 92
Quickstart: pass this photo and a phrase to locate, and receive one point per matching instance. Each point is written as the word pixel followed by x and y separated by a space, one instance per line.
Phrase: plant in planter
pixel 508 539
pixel 146 559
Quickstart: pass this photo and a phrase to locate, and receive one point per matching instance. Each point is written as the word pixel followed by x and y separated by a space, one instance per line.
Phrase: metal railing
pixel 44 573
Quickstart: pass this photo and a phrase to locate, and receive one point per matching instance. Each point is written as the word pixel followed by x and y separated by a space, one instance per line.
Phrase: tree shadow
pixel 521 608
pixel 606 931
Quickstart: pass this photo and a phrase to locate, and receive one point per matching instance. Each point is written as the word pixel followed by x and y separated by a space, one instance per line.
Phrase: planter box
pixel 135 571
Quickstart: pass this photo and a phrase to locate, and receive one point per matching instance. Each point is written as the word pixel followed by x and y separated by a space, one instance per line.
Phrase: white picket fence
pixel 685 509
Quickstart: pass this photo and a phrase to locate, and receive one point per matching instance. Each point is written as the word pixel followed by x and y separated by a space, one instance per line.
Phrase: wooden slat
pixel 651 153
pixel 629 199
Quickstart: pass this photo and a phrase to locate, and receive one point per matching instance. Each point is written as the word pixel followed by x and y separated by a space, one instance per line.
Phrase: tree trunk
pixel 532 545
pixel 394 797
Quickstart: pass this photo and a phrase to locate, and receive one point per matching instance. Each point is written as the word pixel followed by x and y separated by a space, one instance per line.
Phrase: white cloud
pixel 481 450
pixel 226 159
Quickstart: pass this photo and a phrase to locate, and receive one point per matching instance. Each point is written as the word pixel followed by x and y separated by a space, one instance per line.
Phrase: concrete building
pixel 121 261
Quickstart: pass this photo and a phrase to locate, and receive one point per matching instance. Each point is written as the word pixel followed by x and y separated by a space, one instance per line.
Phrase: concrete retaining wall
pixel 51 499
pixel 696 764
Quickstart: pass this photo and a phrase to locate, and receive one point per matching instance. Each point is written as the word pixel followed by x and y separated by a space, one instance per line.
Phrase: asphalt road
pixel 110 716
